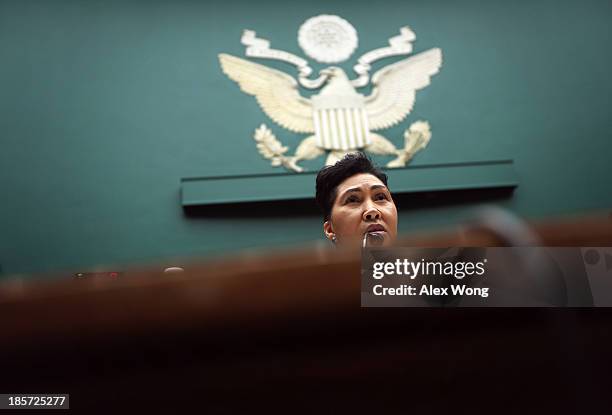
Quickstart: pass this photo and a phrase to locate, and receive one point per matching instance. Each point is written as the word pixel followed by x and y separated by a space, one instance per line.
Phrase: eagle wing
pixel 392 98
pixel 276 92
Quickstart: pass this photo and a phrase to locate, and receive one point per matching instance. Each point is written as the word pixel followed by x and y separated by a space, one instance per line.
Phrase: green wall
pixel 105 105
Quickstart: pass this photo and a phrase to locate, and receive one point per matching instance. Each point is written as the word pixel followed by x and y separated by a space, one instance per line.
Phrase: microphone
pixel 375 238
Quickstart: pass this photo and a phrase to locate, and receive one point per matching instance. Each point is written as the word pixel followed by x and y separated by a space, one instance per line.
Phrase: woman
pixel 357 205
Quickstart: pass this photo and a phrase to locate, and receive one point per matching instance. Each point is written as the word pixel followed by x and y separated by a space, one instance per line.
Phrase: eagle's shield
pixel 340 122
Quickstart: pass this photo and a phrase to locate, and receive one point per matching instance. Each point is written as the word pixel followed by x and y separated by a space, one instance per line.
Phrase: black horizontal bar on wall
pixel 211 190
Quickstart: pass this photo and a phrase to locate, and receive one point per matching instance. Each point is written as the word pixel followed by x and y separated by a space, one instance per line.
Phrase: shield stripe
pixel 334 129
pixel 347 129
pixel 351 128
pixel 316 118
pixel 338 129
pixel 344 144
pixel 366 127
pixel 327 131
pixel 358 127
pixel 325 137
pixel 341 128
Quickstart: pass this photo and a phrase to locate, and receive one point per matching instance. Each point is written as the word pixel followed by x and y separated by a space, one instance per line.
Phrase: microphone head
pixel 376 238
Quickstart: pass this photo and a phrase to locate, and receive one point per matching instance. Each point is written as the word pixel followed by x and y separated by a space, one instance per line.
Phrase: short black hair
pixel 329 177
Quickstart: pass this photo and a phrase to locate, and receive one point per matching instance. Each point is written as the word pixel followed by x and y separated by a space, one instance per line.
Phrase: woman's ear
pixel 329 231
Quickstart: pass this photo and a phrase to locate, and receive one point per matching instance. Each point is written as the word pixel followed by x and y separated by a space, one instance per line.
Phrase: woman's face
pixel 363 204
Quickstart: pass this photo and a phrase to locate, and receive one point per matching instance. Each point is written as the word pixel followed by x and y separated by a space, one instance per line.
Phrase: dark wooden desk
pixel 284 332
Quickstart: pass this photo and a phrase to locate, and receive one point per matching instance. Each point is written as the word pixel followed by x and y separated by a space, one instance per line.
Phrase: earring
pixel 333 239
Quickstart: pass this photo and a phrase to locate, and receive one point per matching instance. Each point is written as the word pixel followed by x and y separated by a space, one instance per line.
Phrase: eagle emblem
pixel 338 119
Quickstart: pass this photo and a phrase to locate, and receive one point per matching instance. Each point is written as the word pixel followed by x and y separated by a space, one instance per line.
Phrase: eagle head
pixel 337 82
pixel 333 72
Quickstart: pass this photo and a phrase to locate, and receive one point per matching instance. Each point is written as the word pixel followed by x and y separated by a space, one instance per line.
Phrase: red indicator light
pixel 113 275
